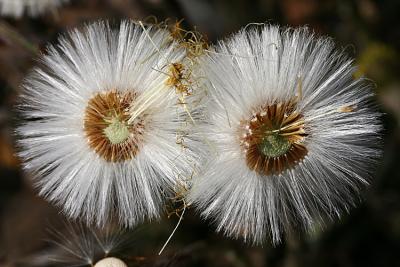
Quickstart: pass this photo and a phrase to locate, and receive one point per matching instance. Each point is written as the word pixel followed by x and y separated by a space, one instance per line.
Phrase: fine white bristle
pixel 78 245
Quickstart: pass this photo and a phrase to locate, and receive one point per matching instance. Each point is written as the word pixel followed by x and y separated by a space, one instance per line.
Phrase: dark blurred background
pixel 369 31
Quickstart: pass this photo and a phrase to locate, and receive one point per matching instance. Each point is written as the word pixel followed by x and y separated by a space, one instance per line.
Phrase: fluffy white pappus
pixel 78 245
pixel 294 135
pixel 33 8
pixel 76 137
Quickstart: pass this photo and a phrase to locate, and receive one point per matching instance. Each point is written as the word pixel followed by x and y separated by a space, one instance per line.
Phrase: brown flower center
pixel 272 138
pixel 107 129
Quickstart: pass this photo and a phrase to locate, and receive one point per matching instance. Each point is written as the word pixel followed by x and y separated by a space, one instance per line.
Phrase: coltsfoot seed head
pixel 293 135
pixel 100 123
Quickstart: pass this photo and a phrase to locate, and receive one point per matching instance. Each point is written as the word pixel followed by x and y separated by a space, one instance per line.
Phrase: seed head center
pixel 106 126
pixel 117 131
pixel 274 145
pixel 272 139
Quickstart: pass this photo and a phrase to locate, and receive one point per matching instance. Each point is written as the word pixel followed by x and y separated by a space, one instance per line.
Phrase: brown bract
pixel 106 126
pixel 273 137
pixel 179 78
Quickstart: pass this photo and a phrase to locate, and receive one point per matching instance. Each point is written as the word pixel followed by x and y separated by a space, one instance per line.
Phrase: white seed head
pixel 77 138
pixel 304 156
